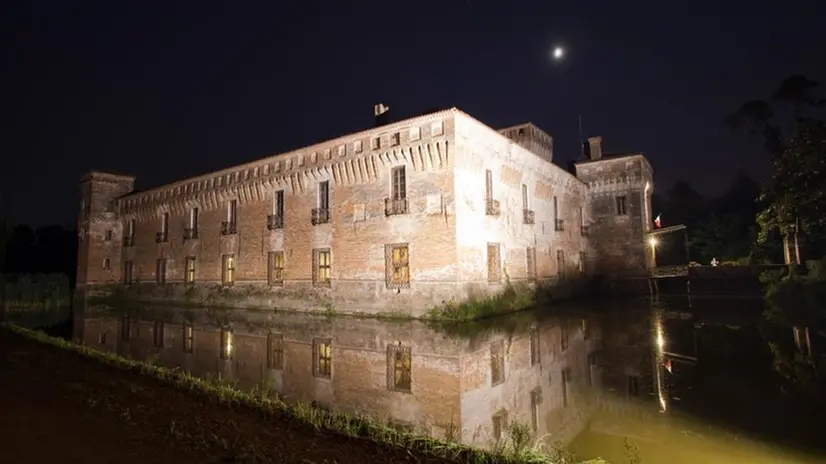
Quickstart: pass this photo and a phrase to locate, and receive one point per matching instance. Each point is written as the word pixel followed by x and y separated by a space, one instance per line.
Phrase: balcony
pixel 129 241
pixel 559 225
pixel 394 206
pixel 229 228
pixel 492 207
pixel 275 222
pixel 321 216
pixel 191 233
pixel 161 237
pixel 528 216
pixel 585 231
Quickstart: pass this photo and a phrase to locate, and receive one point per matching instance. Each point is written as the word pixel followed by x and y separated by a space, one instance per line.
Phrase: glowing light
pixel 558 53
pixel 652 241
pixel 660 341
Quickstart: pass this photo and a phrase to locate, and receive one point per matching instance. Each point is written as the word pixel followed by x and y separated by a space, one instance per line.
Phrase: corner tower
pixel 619 212
pixel 99 227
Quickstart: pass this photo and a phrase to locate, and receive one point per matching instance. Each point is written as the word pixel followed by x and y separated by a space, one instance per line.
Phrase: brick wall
pixel 443 222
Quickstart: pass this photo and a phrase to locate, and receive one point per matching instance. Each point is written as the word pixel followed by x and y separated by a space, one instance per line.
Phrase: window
pixel 524 196
pixel 395 139
pixel 322 358
pixel 399 367
pixel 157 334
pixel 275 268
pixel 530 255
pixel 357 146
pixel 228 270
pixel 375 143
pixel 622 205
pixel 322 267
pixel 563 338
pixel 535 353
pixel 437 128
pixel 189 338
pixel 275 351
pixel 497 363
pixel 226 343
pixel 397 265
pixel 165 224
pixel 633 385
pixel 566 379
pixel 278 203
pixel 107 264
pixel 232 212
pixel 488 185
pixel 500 424
pixel 398 187
pixel 415 133
pixel 160 271
pixel 128 268
pixel 560 263
pixel 189 276
pixel 324 195
pixel 494 263
pixel 193 219
pixel 108 235
pixel 536 400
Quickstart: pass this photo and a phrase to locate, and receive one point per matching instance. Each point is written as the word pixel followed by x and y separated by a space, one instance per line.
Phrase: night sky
pixel 166 90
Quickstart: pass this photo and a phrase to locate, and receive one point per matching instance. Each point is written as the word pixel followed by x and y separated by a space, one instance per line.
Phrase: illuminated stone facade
pixel 398 218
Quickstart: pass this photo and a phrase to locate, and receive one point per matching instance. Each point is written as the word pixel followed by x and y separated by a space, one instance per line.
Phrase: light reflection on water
pixel 633 380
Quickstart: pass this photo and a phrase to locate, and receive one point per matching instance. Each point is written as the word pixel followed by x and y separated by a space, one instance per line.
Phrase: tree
pixel 795 193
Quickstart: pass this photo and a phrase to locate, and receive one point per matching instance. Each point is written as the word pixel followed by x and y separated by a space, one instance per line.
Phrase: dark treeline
pixel 43 250
pixel 723 227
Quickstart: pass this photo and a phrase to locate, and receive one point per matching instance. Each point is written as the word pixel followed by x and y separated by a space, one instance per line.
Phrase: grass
pixel 509 300
pixel 515 448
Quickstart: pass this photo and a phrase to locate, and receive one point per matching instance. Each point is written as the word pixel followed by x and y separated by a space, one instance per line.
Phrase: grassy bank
pixel 515 449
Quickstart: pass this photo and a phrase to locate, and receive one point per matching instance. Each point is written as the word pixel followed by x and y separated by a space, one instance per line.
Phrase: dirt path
pixel 57 404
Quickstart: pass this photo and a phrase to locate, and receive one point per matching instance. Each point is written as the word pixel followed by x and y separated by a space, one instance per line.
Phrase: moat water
pixel 639 381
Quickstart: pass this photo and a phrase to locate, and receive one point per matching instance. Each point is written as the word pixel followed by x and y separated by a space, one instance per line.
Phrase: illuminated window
pixel 275 274
pixel 321 267
pixel 275 351
pixel 188 338
pixel 497 363
pixel 399 360
pixel 189 276
pixel 322 358
pixel 226 343
pixel 228 270
pixel 397 265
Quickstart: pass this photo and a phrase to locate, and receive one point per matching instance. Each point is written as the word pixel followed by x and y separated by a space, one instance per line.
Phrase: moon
pixel 558 53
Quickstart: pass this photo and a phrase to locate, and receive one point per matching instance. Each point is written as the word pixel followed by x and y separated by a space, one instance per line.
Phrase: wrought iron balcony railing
pixel 320 216
pixel 528 216
pixel 229 228
pixel 492 207
pixel 275 221
pixel 394 206
pixel 191 233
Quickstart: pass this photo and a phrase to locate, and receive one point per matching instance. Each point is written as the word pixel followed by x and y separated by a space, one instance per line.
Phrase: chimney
pixel 594 148
pixel 380 113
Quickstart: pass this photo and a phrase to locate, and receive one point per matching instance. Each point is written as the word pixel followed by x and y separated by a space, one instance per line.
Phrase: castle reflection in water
pixel 462 383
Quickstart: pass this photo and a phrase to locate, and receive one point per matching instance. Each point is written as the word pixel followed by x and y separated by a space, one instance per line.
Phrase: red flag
pixel 667 365
pixel 657 222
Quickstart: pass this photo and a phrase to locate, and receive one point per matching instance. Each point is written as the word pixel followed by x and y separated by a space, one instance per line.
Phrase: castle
pixel 397 218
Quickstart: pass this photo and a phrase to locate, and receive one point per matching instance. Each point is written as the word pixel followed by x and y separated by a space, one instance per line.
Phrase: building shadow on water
pixel 657 381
